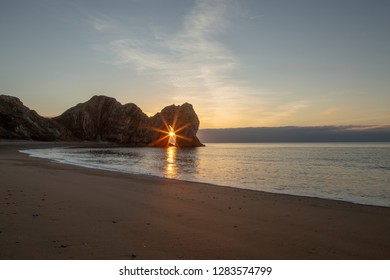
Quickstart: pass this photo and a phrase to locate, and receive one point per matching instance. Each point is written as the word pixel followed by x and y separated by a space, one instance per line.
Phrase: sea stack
pixel 101 118
pixel 184 122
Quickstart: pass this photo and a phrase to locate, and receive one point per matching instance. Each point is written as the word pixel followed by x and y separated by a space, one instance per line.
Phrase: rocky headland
pixel 99 119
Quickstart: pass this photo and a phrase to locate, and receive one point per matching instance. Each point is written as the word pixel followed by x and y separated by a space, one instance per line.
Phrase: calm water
pixel 351 172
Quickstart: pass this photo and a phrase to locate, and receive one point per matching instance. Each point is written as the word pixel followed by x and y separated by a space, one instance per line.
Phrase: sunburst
pixel 171 133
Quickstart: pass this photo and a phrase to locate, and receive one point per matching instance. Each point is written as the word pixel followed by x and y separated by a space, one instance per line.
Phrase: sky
pixel 240 63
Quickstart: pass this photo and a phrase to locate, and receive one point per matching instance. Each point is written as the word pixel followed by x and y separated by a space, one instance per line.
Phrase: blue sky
pixel 240 63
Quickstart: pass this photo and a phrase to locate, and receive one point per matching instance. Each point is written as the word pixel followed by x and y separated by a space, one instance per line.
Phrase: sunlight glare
pixel 170 166
pixel 172 136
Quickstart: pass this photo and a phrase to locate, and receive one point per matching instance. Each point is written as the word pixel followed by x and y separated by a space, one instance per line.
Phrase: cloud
pixel 137 53
pixel 369 127
pixel 331 111
pixel 281 112
pixel 102 23
pixel 207 17
pixel 255 17
pixel 188 59
pixel 296 134
pixel 194 64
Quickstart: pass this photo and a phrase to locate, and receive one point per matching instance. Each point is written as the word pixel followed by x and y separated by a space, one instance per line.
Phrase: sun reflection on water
pixel 170 168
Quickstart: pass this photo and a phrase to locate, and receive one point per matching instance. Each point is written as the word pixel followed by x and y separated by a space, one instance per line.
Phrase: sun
pixel 171 134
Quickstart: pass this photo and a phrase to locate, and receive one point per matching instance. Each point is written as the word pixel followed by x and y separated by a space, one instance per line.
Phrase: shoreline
pixel 51 210
pixel 88 145
pixel 198 182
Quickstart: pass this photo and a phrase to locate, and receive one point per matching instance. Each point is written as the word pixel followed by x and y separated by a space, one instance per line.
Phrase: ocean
pixel 354 172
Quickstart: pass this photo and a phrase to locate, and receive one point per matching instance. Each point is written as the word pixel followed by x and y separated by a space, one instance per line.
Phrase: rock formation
pixel 104 119
pixel 19 122
pixel 101 118
pixel 184 121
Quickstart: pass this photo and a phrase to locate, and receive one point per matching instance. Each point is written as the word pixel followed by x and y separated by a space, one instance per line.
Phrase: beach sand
pixel 50 210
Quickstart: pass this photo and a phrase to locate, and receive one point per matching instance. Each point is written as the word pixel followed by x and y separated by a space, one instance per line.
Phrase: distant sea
pixel 354 172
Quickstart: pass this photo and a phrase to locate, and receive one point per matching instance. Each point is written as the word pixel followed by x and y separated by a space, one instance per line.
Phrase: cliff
pixel 101 118
pixel 104 119
pixel 19 122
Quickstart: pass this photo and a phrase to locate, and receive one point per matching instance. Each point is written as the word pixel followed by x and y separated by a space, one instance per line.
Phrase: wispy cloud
pixel 255 17
pixel 189 58
pixel 104 23
pixel 193 63
pixel 101 24
pixel 281 112
pixel 331 111
pixel 369 127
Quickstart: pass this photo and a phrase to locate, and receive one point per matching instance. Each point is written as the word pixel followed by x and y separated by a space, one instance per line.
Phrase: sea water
pixel 354 172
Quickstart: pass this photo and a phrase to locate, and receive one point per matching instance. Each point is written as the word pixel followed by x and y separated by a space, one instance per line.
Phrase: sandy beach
pixel 50 210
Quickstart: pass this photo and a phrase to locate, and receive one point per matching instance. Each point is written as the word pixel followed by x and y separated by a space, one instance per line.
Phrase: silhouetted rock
pixel 19 122
pixel 184 121
pixel 103 118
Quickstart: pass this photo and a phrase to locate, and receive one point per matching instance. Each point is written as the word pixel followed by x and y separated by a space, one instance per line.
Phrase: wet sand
pixel 50 210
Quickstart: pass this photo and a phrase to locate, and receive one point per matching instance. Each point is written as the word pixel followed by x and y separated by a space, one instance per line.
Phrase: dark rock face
pixel 105 119
pixel 183 120
pixel 19 122
pixel 101 118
